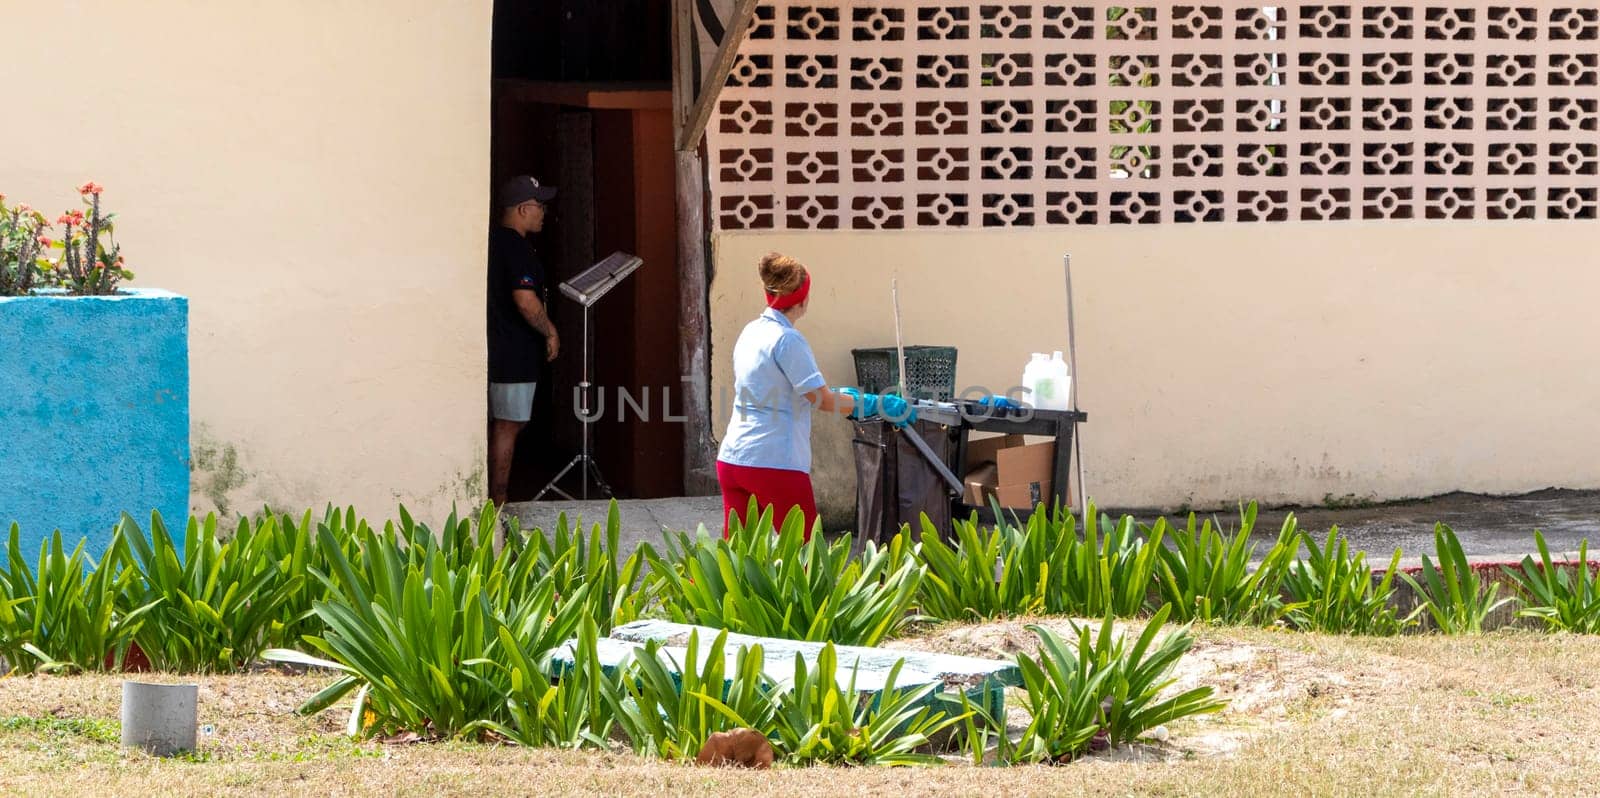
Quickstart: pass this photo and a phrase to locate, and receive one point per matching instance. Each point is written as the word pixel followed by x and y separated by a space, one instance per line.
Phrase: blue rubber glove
pixel 865 405
pixel 896 410
pixel 891 408
pixel 999 403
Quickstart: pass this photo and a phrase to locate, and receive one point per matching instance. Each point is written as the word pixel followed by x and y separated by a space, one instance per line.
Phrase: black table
pixel 967 418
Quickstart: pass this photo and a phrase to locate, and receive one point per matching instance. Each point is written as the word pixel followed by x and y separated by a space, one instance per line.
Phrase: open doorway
pixel 582 100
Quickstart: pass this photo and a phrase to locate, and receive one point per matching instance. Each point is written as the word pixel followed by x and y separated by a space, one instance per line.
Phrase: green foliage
pixel 90 263
pixel 91 260
pixel 961 580
pixel 1206 575
pixel 66 614
pixel 1331 590
pixel 573 560
pixel 1566 596
pixel 576 711
pixel 669 708
pixel 417 629
pixel 568 556
pixel 1111 570
pixel 976 728
pixel 23 245
pixel 1454 594
pixel 1043 566
pixel 442 632
pixel 215 605
pixel 458 540
pixel 817 721
pixel 95 730
pixel 1101 691
pixel 294 552
pixel 668 704
pixel 212 601
pixel 783 585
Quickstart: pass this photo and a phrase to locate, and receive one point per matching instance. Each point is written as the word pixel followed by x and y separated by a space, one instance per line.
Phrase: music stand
pixel 586 289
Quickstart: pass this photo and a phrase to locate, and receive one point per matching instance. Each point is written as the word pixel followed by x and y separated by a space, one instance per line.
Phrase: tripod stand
pixel 586 289
pixel 583 461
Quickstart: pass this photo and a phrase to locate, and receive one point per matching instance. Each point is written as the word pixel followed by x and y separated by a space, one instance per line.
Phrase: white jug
pixel 1031 377
pixel 1047 381
pixel 1060 379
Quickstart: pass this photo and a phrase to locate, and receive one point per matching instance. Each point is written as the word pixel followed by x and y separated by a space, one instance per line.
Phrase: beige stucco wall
pixel 312 175
pixel 1280 362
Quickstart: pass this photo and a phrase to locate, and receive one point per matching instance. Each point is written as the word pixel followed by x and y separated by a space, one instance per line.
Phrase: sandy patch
pixel 1264 684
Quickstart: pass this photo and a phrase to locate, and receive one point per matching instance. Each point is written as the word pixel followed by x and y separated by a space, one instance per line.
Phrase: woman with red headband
pixel 767 451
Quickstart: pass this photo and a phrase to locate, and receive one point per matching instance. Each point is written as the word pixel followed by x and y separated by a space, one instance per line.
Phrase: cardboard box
pixel 1023 497
pixel 984 450
pixel 1027 463
pixel 1025 474
pixel 980 483
pixel 1020 476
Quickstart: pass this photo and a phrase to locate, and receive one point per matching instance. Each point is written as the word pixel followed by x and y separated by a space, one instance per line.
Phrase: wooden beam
pixel 684 42
pixel 694 354
pixel 699 116
pixel 598 96
pixel 694 358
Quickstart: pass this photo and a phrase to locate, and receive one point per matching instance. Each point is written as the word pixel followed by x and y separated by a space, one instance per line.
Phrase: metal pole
pixel 1072 387
pixel 899 343
pixel 583 484
pixel 911 432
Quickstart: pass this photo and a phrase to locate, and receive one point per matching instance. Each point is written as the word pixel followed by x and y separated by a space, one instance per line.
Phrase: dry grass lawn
pixel 1311 715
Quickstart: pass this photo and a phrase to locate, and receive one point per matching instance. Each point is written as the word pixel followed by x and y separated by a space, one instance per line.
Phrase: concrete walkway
pixel 1490 527
pixel 643 520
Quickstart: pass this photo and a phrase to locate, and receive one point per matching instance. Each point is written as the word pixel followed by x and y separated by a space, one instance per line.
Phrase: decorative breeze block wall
pixel 918 114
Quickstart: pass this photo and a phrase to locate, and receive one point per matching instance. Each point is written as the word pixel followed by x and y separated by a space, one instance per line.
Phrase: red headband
pixel 792 298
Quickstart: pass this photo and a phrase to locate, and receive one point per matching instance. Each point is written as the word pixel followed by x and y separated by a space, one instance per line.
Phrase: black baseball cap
pixel 522 188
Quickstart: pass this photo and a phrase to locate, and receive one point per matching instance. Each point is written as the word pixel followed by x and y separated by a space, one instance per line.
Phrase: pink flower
pixel 23 207
pixel 44 241
pixel 65 218
pixel 91 187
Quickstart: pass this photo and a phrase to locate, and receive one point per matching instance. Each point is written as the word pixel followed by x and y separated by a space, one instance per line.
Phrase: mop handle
pixel 1072 386
pixel 1072 340
pixel 899 344
pixel 910 433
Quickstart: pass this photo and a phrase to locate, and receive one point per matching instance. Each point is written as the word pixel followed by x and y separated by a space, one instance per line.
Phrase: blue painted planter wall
pixel 94 413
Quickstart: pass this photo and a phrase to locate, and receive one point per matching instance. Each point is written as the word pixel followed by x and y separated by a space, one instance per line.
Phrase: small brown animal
pixel 746 748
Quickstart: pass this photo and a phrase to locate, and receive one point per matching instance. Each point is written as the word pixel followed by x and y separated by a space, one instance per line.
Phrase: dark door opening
pixel 582 101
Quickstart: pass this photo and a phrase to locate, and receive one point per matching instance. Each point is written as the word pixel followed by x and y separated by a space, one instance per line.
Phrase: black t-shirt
pixel 516 349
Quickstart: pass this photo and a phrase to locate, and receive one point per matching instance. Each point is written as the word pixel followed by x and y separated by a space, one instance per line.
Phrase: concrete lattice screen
pixel 853 115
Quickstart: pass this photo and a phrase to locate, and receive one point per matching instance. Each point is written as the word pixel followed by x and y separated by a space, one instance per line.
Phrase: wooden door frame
pixel 694 96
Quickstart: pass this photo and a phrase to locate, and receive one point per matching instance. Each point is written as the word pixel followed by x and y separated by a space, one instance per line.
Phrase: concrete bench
pixel 982 680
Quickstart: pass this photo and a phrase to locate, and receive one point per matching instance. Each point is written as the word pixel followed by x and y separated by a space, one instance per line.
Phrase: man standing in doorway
pixel 520 333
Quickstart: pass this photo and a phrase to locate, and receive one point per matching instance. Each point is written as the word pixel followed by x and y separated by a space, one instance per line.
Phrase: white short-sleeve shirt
pixel 773 370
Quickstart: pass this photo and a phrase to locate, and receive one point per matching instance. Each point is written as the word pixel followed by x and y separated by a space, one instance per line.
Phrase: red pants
pixel 780 489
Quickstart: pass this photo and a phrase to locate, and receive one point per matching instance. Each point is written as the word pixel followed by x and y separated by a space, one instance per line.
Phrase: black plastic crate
pixel 930 371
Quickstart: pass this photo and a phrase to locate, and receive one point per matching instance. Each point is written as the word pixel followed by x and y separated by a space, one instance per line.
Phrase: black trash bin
pixel 895 484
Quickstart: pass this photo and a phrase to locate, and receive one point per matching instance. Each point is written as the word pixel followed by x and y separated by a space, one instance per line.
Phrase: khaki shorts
pixel 511 401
